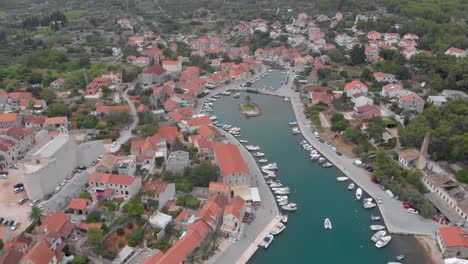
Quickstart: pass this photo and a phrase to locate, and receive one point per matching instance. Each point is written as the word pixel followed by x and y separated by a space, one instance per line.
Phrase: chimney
pixel 425 145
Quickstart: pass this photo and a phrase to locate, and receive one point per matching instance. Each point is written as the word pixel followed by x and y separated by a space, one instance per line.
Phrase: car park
pixel 23 200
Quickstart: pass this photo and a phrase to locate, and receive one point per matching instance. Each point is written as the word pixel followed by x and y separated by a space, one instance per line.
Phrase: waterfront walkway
pixel 266 216
pixel 396 218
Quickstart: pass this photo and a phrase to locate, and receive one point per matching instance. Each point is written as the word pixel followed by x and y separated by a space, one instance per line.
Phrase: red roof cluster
pixel 230 160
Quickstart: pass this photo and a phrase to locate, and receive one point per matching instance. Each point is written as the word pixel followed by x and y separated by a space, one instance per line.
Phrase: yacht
pixel 258 154
pixel 321 159
pixel 295 130
pixel 262 160
pixel 383 241
pixel 377 236
pixel 282 191
pixel 243 141
pixel 213 117
pixel 327 224
pixel 376 227
pixel 367 200
pixel 369 205
pixel 292 122
pixel 314 156
pixel 278 229
pixel 375 218
pixel 226 93
pixel 286 99
pixel 271 166
pixel 342 179
pixel 252 147
pixel 351 186
pixel 290 207
pixel 327 165
pixel 276 184
pixel 283 202
pixel 358 193
pixel 267 241
pixel 236 95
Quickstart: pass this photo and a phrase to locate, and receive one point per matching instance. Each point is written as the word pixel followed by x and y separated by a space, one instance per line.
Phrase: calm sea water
pixel 317 192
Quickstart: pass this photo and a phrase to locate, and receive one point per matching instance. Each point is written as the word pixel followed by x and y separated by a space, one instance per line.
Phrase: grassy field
pixel 3 14
pixel 74 14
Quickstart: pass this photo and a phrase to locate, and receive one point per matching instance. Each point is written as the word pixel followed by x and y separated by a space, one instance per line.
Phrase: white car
pixel 15 225
pixel 113 144
pixel 412 211
pixel 379 200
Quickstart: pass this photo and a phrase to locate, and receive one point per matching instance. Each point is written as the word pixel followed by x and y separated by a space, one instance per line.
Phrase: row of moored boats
pixel 315 155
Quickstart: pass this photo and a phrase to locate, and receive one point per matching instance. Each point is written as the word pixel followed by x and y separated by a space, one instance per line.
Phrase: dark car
pixel 321 140
pixel 339 153
pixel 370 169
pixel 374 180
pixel 18 185
pixel 82 167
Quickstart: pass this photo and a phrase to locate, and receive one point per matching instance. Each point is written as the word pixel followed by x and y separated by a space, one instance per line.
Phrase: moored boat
pixel 369 205
pixel 276 184
pixel 290 207
pixel 327 224
pixel 321 159
pixel 295 130
pixel 259 154
pixel 375 218
pixel 278 229
pixel 327 165
pixel 378 235
pixel 292 122
pixel 383 241
pixel 236 95
pixel 282 191
pixel 267 241
pixel 376 227
pixel 227 93
pixel 243 141
pixel 284 217
pixel 252 147
pixel 271 166
pixel 351 186
pixel 358 193
pixel 342 179
pixel 262 160
pixel 286 99
pixel 400 257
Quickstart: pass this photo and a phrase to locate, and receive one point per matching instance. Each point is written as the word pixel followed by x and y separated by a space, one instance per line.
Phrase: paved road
pixel 397 219
pixel 263 215
pixel 126 134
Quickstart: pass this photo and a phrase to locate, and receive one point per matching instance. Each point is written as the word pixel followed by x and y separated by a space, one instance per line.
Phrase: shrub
pixel 120 231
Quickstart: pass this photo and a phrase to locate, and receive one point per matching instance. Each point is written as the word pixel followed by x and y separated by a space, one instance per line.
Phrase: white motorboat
pixel 284 217
pixel 267 241
pixel 327 165
pixel 227 93
pixel 271 166
pixel 243 141
pixel 252 147
pixel 303 142
pixel 276 184
pixel 286 99
pixel 376 227
pixel 290 207
pixel 281 197
pixel 278 229
pixel 327 224
pixel 216 96
pixel 369 205
pixel 321 159
pixel 292 122
pixel 342 179
pixel 258 154
pixel 383 241
pixel 213 117
pixel 377 236
pixel 283 202
pixel 358 193
pixel 314 156
pixel 351 186
pixel 226 127
pixel 375 218
pixel 267 171
pixel 282 191
pixel 367 200
pixel 280 188
pixel 236 95
pixel 262 160
pixel 295 130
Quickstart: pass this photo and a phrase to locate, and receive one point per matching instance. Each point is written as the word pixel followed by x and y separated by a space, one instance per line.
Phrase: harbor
pixel 311 187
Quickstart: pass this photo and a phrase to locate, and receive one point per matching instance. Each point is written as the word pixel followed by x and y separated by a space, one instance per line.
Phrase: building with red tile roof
pixel 172 66
pixel 40 253
pixel 11 255
pixel 142 108
pixel 453 241
pixel 10 120
pixel 211 211
pixel 195 122
pixel 104 109
pixel 233 168
pixel 191 72
pixel 125 186
pixel 56 122
pixel 411 102
pixel 391 90
pixel 58 222
pixel 221 188
pixel 208 132
pixel 158 190
pixel 366 112
pixel 233 216
pixel 78 205
pixel 154 74
pixel 170 133
pixel 355 86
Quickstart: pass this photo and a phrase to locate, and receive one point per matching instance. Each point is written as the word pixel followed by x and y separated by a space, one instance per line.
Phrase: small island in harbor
pixel 249 109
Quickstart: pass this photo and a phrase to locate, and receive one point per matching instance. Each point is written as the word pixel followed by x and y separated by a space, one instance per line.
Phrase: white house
pixel 125 186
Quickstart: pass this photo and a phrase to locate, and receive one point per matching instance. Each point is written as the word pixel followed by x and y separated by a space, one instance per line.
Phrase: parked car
pixel 321 140
pixel 379 200
pixel 3 172
pixel 57 189
pixel 18 189
pixel 18 185
pixel 390 193
pixel 374 180
pixel 407 205
pixel 412 211
pixel 23 200
pixel 34 203
pixel 82 167
pixel 3 177
pixel 15 225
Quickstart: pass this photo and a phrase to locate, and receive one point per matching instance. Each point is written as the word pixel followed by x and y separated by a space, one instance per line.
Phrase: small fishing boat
pixel 400 257
pixel 327 224
pixel 376 227
pixel 267 241
pixel 369 205
pixel 282 191
pixel 290 207
pixel 327 165
pixel 227 93
pixel 377 236
pixel 358 193
pixel 303 142
pixel 262 160
pixel 282 202
pixel 252 147
pixel 284 217
pixel 367 200
pixel 351 186
pixel 243 141
pixel 213 117
pixel 276 184
pixel 321 159
pixel 286 99
pixel 375 218
pixel 271 166
pixel 278 229
pixel 342 179
pixel 383 241
pixel 259 154
pixel 236 95
pixel 292 122
pixel 314 156
pixel 295 130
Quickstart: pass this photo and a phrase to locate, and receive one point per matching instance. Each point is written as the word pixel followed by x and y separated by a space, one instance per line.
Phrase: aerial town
pixel 167 132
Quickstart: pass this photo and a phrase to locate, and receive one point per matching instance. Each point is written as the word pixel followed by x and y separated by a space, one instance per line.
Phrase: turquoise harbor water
pixel 317 192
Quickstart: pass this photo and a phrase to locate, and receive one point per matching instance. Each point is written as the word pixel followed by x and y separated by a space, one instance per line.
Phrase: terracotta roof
pixel 198 121
pixel 6 144
pixel 8 117
pixel 154 259
pixel 11 255
pixel 169 133
pixel 142 108
pixel 409 154
pixel 78 204
pixel 114 108
pixel 18 133
pixel 108 161
pixel 411 97
pixel 207 131
pixel 181 249
pixel 158 186
pixel 56 120
pixel 34 119
pixel 182 215
pixel 40 254
pixel 87 226
pixel 219 187
pixel 20 95
pixel 356 84
pixel 170 62
pixel 230 160
pixel 454 236
pixel 155 69
pixel 111 178
pixel 200 227
pixel 55 221
pixel 235 207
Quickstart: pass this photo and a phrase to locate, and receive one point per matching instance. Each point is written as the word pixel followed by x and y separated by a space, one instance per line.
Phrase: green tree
pixel 80 259
pixel 48 95
pixel 357 55
pixel 136 237
pixel 376 127
pixel 35 215
pixel 462 175
pixel 134 208
pixel 339 123
pixel 58 110
pixel 1 244
pixel 95 237
pixel 367 75
pixel 177 144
